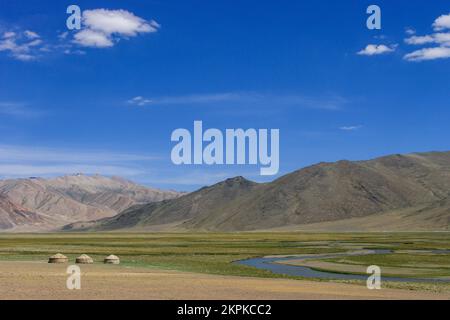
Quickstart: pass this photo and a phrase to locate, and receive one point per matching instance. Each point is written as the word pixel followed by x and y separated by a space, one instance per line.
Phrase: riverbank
pixel 320 266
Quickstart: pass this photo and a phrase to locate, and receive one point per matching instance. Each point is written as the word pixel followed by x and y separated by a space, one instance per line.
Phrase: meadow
pixel 213 253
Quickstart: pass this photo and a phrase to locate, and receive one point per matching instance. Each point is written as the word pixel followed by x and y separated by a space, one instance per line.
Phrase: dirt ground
pixel 40 280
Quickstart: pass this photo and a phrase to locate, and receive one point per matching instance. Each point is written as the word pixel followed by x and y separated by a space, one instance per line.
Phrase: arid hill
pixel 37 204
pixel 418 185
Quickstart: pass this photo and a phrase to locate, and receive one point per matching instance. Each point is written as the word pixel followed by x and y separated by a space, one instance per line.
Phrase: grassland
pixel 424 264
pixel 213 253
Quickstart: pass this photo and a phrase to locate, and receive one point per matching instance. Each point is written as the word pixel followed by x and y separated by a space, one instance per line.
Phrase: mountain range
pixel 397 192
pixel 37 204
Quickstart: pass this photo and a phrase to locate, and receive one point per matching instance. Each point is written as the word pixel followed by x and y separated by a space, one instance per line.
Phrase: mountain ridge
pixel 323 192
pixel 52 203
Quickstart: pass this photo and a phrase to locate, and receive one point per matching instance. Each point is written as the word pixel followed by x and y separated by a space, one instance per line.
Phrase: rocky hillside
pixel 44 204
pixel 319 193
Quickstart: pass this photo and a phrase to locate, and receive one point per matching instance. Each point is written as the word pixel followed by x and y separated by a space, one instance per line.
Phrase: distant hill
pixel 414 188
pixel 36 204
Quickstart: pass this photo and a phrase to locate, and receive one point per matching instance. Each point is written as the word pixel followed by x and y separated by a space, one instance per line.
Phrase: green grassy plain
pixel 214 252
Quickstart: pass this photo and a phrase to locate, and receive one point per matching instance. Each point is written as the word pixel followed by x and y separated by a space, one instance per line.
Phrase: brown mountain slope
pixel 319 193
pixel 195 207
pixel 51 203
pixel 12 215
pixel 428 217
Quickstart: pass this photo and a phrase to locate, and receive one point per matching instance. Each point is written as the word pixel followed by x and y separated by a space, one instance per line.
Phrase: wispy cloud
pixel 76 52
pixel 438 38
pixel 13 170
pixel 63 35
pixel 192 178
pixel 20 161
pixel 207 98
pixel 17 110
pixel 35 154
pixel 201 177
pixel 410 31
pixel 24 46
pixel 139 101
pixel 8 34
pixel 350 128
pixel 31 34
pixel 441 38
pixel 242 98
pixel 27 161
pixel 376 49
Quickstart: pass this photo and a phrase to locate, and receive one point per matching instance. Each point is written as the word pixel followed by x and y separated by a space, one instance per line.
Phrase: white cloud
pixel 76 52
pixel 24 46
pixel 428 54
pixel 442 39
pixel 245 98
pixel 8 34
pixel 8 44
pixel 63 35
pixel 34 43
pixel 103 28
pixel 441 23
pixel 439 38
pixel 139 101
pixel 90 38
pixel 419 39
pixel 373 49
pixel 410 31
pixel 31 34
pixel 116 21
pixel 350 128
pixel 24 57
pixel 45 48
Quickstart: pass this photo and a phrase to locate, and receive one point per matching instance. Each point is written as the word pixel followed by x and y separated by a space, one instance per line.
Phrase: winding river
pixel 273 264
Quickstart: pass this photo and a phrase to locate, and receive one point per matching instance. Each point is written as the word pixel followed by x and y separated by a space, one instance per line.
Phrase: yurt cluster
pixel 83 259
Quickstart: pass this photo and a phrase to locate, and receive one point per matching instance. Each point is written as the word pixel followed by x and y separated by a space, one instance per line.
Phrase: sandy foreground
pixel 40 280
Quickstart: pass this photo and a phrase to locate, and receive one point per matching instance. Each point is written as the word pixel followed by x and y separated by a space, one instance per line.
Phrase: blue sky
pixel 335 89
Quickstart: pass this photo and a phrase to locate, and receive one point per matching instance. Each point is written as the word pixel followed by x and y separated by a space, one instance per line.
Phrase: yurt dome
pixel 84 258
pixel 112 259
pixel 58 258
